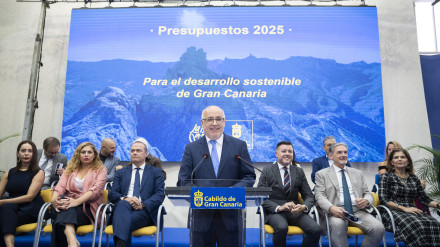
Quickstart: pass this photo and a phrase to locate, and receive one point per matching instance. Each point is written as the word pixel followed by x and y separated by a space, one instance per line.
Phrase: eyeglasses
pixel 211 120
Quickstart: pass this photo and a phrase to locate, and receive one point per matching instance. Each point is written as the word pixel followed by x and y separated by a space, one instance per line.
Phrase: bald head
pixel 213 122
pixel 108 147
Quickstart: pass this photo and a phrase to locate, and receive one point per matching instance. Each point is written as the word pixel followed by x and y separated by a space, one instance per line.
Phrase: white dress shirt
pixel 341 190
pixel 48 169
pixel 281 168
pixel 133 177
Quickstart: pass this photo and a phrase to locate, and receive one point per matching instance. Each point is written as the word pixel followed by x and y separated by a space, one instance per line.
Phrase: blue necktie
pixel 137 183
pixel 347 200
pixel 214 156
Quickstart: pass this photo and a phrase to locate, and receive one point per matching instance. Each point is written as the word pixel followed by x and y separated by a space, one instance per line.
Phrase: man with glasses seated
pixel 216 226
pixel 48 158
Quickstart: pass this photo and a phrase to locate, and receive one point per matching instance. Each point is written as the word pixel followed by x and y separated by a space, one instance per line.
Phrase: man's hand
pixel 60 171
pixel 337 211
pixel 299 208
pixel 135 203
pixel 361 203
pixel 118 167
pixel 288 206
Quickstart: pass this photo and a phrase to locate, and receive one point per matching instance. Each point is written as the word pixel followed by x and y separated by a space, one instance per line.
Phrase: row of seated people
pixel 136 193
pixel 341 189
pixel 53 163
pixel 79 192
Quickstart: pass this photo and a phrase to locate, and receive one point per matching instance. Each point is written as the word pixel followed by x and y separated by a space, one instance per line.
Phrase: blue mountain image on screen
pixel 108 99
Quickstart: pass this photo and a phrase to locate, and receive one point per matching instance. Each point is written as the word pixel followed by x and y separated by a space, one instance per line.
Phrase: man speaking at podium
pixel 211 161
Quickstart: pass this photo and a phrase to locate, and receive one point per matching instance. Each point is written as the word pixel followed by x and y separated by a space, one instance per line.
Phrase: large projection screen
pixel 280 73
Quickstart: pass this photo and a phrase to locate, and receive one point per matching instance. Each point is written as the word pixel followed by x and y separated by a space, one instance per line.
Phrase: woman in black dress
pixel 23 183
pixel 398 188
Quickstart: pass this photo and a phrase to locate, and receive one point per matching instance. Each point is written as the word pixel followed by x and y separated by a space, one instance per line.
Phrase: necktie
pixel 214 156
pixel 137 183
pixel 286 187
pixel 347 200
pixel 44 165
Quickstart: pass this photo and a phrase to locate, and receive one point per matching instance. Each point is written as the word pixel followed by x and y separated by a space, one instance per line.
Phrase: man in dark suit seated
pixel 324 161
pixel 150 160
pixel 48 159
pixel 137 192
pixel 221 169
pixel 283 207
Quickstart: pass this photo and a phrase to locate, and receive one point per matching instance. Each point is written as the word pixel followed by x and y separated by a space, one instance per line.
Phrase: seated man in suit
pixel 150 160
pixel 48 158
pixel 341 189
pixel 107 156
pixel 324 161
pixel 221 168
pixel 283 208
pixel 137 192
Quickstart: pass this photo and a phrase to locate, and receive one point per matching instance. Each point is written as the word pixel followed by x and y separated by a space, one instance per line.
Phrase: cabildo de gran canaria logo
pixel 198 198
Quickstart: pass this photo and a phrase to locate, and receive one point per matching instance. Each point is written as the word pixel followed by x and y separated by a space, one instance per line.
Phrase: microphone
pixel 205 156
pixel 238 157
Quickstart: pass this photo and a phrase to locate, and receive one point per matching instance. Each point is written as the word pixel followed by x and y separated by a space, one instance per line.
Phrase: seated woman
pixel 398 189
pixel 78 194
pixel 23 183
pixel 392 145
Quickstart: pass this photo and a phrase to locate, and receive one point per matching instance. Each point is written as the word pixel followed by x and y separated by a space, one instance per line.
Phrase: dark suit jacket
pixel 321 163
pixel 231 173
pixel 151 192
pixel 271 177
pixel 155 162
pixel 59 158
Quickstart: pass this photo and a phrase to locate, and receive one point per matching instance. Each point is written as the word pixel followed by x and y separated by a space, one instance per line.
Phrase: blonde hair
pixel 396 146
pixel 75 162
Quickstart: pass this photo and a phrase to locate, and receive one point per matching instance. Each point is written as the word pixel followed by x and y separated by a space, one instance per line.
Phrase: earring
pixel 19 160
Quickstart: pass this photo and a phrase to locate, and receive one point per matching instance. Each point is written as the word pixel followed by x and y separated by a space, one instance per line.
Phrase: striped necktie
pixel 286 187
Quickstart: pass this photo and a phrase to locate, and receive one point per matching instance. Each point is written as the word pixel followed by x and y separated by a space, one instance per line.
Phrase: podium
pixel 218 201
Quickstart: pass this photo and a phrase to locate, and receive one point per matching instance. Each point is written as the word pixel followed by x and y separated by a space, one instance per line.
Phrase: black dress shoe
pixel 119 242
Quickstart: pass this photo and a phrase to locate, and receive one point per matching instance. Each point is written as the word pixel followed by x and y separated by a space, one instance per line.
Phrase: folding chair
pixel 292 230
pixel 144 231
pixel 81 230
pixel 353 230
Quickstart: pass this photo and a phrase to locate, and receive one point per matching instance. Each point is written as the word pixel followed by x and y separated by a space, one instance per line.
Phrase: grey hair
pixel 143 141
pixel 327 139
pixel 332 147
pixel 203 112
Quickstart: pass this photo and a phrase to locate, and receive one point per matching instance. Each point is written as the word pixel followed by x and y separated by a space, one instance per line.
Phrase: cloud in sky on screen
pixel 191 18
pixel 347 34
